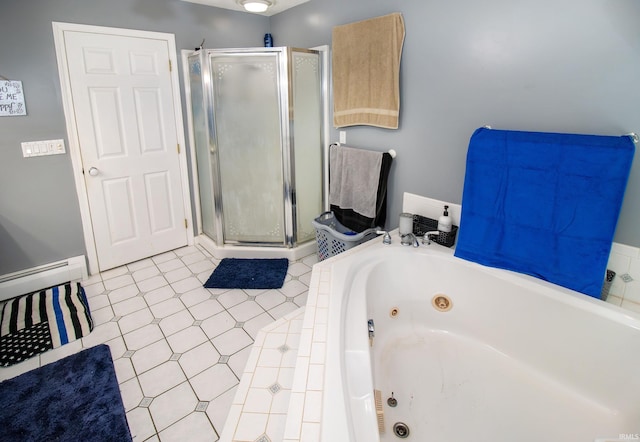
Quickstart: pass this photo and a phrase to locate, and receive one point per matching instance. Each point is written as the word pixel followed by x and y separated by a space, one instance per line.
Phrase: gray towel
pixel 354 176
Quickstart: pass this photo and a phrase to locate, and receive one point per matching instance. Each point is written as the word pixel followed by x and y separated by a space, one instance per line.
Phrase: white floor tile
pixel 275 426
pixel 195 296
pixel 176 322
pixel 98 302
pixel 254 325
pixel 232 297
pixel 202 266
pixel 114 273
pixel 298 268
pixel 293 288
pixel 158 295
pixel 124 369
pixel 258 401
pixel 270 299
pixel 161 378
pixel 118 282
pixel 193 257
pixel 218 324
pixel 212 382
pixel 123 293
pixel 131 393
pixel 170 265
pixel 173 405
pixel 164 257
pixel 193 428
pixel 142 337
pixel 101 334
pixel 140 424
pixel 102 315
pixel 166 308
pixel 93 289
pixel 142 264
pixel 146 273
pixel 175 343
pixel 184 285
pixel 177 274
pixel 152 283
pixel 245 311
pixel 185 340
pixel 238 361
pixel 151 356
pixel 282 309
pixel 198 359
pixel 135 320
pixel 206 309
pixel 127 306
pixel 232 341
pixel 251 426
pixel 218 409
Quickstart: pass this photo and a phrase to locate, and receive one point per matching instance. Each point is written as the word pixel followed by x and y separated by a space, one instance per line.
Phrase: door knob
pixel 93 171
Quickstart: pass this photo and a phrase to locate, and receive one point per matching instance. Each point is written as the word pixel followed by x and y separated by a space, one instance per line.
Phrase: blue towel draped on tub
pixel 544 204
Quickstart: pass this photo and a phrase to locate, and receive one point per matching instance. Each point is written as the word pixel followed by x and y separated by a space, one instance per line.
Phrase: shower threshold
pixel 251 251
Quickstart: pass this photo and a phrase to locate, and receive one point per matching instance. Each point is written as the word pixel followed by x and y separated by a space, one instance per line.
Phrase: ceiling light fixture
pixel 256 5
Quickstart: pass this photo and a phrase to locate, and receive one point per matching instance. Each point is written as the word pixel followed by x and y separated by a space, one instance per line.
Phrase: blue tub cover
pixel 544 204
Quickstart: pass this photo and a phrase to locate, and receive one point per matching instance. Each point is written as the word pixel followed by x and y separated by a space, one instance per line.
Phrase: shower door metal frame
pixel 283 56
pixel 285 72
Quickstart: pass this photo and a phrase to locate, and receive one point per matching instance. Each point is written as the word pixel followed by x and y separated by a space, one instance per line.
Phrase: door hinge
pixel 178 145
pixel 170 67
pixel 186 226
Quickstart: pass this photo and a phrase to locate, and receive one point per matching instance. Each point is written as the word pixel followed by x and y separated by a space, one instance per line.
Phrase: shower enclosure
pixel 258 128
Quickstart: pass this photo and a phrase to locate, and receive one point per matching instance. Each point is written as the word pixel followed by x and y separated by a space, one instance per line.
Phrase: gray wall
pixel 547 65
pixel 39 213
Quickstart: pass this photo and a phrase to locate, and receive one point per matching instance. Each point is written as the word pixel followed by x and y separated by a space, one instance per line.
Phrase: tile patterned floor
pixel 179 349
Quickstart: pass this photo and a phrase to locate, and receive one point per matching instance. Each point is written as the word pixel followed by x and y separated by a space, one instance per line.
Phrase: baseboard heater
pixel 41 277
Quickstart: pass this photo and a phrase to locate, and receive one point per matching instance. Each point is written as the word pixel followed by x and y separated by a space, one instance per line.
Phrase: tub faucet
pixel 409 240
pixel 386 239
pixel 426 239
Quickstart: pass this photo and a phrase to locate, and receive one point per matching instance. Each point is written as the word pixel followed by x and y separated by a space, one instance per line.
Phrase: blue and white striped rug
pixel 37 322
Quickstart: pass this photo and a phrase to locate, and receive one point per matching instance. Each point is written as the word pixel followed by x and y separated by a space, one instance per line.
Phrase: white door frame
pixel 72 133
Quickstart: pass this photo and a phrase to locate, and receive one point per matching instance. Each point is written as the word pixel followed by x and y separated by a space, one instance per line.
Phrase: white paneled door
pixel 123 105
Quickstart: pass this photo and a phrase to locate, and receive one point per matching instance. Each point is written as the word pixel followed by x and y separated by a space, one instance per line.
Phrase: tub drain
pixel 401 430
pixel 442 303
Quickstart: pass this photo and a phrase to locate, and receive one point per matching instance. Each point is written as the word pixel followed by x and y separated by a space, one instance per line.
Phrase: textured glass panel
pixel 203 159
pixel 307 133
pixel 247 121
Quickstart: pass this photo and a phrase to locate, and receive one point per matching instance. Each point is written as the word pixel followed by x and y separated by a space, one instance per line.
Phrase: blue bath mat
pixel 236 273
pixel 74 399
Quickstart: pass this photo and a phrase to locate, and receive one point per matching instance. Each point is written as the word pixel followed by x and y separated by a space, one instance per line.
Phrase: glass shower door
pixel 306 75
pixel 199 114
pixel 247 109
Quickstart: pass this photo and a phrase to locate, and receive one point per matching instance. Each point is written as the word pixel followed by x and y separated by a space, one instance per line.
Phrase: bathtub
pixel 511 358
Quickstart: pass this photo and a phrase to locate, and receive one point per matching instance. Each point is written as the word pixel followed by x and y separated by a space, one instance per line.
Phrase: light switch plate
pixel 41 148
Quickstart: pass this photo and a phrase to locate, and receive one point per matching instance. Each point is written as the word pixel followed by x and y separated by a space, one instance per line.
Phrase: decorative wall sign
pixel 11 99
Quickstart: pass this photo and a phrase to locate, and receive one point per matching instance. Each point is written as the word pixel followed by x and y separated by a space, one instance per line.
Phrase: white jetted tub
pixel 472 353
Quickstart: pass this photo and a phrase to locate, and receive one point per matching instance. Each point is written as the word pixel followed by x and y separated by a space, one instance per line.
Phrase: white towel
pixel 354 179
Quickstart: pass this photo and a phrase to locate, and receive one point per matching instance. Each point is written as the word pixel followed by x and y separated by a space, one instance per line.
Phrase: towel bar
pixel 390 151
pixel 634 136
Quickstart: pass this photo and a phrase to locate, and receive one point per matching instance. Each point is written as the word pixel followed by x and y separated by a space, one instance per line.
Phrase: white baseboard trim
pixel 40 277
